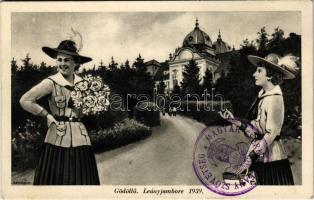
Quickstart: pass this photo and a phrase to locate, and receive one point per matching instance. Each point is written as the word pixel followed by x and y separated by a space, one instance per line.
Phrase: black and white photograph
pixel 138 100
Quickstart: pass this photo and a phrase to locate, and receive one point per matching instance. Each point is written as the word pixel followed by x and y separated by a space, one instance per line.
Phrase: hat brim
pixel 255 60
pixel 53 52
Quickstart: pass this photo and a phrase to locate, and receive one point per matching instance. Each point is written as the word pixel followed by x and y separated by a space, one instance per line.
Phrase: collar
pixel 58 78
pixel 275 91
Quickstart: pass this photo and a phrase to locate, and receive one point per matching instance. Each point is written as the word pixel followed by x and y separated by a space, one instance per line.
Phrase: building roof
pixel 197 37
pixel 153 62
pixel 221 46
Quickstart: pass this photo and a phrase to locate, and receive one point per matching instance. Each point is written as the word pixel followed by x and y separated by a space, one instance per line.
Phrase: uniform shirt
pixel 64 134
pixel 269 122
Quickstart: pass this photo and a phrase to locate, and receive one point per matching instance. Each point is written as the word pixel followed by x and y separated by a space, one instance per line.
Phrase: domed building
pixel 196 45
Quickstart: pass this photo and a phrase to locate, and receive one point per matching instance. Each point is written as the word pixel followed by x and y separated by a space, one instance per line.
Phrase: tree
pixel 241 90
pixel 122 66
pixel 101 66
pixel 246 43
pixel 276 40
pixel 191 80
pixel 139 64
pixel 293 45
pixel 126 80
pixel 262 41
pixel 207 80
pixel 161 88
pixel 42 65
pixel 112 65
pixel 26 62
pixel 222 85
pixel 176 90
pixel 14 66
pixel 127 65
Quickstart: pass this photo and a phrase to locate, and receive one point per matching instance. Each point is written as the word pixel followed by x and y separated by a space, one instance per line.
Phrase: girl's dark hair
pixel 275 75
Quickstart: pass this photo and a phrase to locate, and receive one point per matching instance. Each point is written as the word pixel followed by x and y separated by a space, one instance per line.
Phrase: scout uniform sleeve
pixel 275 115
pixel 274 121
pixel 28 100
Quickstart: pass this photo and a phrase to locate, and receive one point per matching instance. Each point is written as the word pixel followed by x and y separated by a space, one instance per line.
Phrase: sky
pixel 126 34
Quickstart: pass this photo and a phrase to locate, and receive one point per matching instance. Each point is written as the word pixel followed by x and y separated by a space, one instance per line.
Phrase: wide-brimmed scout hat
pixel 67 47
pixel 286 65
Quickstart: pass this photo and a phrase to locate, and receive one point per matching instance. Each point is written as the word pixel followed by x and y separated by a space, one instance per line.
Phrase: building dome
pixel 197 37
pixel 220 46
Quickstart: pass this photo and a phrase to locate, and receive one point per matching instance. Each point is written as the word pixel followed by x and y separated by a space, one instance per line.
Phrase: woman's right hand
pixel 227 115
pixel 50 120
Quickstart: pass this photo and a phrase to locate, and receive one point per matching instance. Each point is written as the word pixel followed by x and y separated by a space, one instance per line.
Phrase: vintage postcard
pixel 157 100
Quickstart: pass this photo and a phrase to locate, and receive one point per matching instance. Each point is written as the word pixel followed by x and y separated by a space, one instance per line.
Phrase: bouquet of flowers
pixel 91 95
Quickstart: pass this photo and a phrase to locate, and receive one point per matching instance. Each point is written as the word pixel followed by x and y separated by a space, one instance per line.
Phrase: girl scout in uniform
pixel 266 155
pixel 67 157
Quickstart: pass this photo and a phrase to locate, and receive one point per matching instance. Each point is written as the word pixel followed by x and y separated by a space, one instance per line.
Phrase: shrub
pixel 104 120
pixel 149 116
pixel 210 117
pixel 292 124
pixel 26 143
pixel 125 132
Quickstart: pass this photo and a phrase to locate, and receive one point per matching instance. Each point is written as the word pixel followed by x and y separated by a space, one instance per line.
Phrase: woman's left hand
pixel 258 146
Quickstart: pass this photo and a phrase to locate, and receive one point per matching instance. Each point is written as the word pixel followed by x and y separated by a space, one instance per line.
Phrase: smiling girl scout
pixel 67 157
pixel 266 155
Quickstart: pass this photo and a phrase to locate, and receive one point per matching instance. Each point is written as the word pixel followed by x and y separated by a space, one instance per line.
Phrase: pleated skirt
pixel 273 173
pixel 66 166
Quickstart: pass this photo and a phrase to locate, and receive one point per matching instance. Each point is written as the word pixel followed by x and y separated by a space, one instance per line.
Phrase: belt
pixel 67 119
pixel 259 137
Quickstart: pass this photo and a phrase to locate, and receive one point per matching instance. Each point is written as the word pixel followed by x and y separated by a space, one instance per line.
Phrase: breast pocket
pixel 61 129
pixel 60 101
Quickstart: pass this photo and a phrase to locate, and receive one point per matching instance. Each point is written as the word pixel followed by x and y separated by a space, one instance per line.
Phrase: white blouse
pixel 269 122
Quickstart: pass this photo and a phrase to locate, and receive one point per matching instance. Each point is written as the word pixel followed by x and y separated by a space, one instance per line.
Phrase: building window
pixel 175 77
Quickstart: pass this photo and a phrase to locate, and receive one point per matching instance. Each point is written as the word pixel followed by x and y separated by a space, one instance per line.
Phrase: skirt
pixel 66 166
pixel 273 173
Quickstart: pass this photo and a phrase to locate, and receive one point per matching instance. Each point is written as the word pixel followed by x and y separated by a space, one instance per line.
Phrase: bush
pixel 292 124
pixel 209 118
pixel 125 132
pixel 104 120
pixel 26 143
pixel 149 116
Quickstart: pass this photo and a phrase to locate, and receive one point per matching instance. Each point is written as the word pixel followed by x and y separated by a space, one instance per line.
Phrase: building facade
pixel 196 45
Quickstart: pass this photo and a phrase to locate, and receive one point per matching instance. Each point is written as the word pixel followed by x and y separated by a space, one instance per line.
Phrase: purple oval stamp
pixel 221 161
